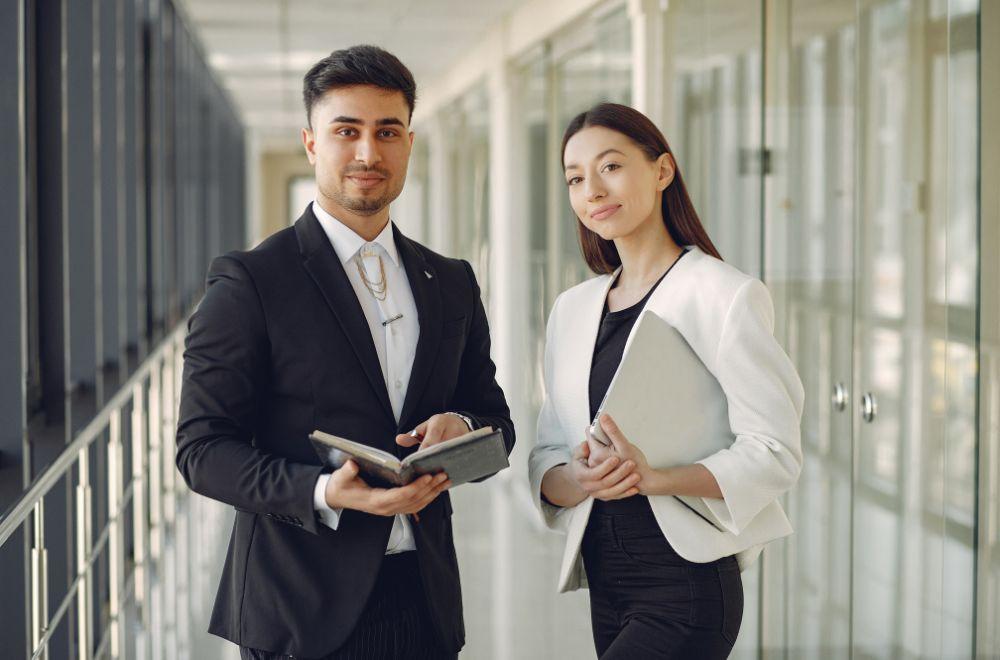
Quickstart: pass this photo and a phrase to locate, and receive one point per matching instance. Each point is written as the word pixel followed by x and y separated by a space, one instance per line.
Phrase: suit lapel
pixel 323 265
pixel 587 322
pixel 427 297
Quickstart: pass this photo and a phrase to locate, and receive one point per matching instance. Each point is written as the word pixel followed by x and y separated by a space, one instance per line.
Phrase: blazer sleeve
pixel 477 393
pixel 765 398
pixel 550 447
pixel 226 360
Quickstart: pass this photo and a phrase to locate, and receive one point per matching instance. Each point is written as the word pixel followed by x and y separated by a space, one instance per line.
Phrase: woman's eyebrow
pixel 597 157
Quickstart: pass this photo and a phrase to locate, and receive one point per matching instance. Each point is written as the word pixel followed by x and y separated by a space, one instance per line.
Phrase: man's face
pixel 359 145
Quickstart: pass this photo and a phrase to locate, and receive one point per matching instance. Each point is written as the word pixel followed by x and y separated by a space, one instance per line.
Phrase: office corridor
pixel 845 152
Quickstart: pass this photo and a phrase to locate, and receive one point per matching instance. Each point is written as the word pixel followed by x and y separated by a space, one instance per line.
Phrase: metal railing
pixel 144 497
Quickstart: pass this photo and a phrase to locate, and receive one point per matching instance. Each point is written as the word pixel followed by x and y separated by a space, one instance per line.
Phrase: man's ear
pixel 411 139
pixel 665 171
pixel 309 142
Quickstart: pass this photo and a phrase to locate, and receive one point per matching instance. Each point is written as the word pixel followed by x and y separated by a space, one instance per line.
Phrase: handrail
pixel 145 496
pixel 18 514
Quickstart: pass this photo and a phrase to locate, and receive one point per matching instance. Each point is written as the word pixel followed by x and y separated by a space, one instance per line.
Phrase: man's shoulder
pixel 279 246
pixel 444 265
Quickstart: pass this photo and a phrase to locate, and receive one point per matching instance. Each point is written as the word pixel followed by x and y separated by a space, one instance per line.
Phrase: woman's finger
pixel 618 440
pixel 599 471
pixel 619 489
pixel 624 470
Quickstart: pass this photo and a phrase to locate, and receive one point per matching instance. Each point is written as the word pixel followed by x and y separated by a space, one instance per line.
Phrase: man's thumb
pixel 350 469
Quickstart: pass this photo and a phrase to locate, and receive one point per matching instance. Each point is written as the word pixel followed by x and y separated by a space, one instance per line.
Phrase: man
pixel 343 324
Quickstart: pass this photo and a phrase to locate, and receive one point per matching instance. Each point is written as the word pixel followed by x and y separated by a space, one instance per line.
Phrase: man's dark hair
pixel 358 65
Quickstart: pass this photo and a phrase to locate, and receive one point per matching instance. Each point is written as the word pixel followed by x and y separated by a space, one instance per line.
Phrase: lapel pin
pixel 428 274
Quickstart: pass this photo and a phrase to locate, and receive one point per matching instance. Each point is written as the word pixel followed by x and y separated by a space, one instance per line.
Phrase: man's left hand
pixel 434 431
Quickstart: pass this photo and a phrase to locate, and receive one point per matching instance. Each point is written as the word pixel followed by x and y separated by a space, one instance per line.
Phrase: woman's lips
pixel 605 211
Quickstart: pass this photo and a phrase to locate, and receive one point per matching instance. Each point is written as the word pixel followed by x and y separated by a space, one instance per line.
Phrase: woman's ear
pixel 665 171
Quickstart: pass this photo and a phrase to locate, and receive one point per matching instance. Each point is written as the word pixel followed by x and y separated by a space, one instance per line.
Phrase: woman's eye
pixel 611 167
pixel 573 180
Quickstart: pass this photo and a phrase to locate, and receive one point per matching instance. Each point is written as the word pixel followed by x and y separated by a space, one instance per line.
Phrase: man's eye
pixel 387 133
pixel 347 132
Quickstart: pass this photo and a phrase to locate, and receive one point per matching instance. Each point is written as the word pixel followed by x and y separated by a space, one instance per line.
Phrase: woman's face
pixel 613 187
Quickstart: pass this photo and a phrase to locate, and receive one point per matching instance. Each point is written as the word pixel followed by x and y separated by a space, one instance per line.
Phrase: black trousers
pixel 393 625
pixel 646 601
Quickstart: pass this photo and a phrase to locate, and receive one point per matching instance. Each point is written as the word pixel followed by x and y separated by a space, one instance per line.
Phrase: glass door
pixel 810 238
pixel 914 500
pixel 871 254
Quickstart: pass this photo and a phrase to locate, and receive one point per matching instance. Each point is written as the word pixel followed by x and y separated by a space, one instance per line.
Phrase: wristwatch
pixel 468 422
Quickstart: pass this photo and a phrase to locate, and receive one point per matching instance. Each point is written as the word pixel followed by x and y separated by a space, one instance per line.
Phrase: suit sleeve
pixel 550 447
pixel 226 365
pixel 765 398
pixel 477 394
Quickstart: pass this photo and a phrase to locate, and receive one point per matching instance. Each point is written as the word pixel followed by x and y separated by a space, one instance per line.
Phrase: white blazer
pixel 728 319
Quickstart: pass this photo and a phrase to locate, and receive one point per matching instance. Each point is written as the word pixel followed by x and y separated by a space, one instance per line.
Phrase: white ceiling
pixel 260 49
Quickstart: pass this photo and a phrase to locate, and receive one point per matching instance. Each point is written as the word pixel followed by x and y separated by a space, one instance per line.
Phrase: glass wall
pixel 873 250
pixel 714 127
pixel 831 149
pixel 469 158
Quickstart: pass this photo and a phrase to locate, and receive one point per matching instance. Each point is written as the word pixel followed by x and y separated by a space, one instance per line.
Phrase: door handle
pixel 869 407
pixel 839 397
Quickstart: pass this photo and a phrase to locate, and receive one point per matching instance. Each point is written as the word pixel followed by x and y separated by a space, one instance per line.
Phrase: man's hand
pixel 435 430
pixel 347 490
pixel 611 479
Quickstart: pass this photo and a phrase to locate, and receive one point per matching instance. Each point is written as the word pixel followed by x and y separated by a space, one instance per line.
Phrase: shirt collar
pixel 346 243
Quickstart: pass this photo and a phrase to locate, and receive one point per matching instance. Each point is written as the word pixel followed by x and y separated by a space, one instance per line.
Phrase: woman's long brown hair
pixel 679 216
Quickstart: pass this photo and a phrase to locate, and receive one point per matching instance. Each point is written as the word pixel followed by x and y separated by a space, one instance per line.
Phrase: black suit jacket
pixel 279 346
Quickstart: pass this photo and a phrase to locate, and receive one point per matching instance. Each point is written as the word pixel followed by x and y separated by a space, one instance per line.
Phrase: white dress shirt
pixel 395 343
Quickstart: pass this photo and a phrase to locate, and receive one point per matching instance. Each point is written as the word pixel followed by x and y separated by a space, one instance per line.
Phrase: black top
pixel 608 351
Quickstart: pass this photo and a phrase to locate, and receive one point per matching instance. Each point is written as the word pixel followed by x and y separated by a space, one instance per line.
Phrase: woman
pixel 664 580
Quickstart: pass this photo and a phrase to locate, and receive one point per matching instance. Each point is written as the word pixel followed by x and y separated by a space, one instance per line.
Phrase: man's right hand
pixel 347 490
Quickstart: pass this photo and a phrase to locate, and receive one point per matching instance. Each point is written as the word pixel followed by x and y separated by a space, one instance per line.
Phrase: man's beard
pixel 359 205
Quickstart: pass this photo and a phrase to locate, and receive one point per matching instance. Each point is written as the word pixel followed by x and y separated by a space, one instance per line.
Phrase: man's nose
pixel 366 151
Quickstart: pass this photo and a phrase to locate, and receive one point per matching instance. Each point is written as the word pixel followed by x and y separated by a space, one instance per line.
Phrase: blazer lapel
pixel 581 352
pixel 323 265
pixel 427 297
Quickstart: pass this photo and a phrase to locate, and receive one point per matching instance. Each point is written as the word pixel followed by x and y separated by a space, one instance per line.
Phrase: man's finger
pixel 435 431
pixel 430 497
pixel 581 451
pixel 407 440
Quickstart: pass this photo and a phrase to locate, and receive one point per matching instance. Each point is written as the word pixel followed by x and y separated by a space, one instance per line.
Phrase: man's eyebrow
pixel 385 121
pixel 599 156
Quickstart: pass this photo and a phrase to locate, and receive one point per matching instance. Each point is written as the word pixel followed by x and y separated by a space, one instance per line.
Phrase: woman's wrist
pixel 560 488
pixel 657 482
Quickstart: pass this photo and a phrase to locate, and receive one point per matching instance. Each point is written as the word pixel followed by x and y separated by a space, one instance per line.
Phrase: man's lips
pixel 366 180
pixel 604 211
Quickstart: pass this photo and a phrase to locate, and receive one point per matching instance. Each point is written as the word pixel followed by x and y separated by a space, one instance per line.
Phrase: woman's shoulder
pixel 583 292
pixel 714 276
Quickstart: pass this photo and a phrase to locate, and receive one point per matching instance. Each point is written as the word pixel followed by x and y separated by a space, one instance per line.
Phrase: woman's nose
pixel 593 190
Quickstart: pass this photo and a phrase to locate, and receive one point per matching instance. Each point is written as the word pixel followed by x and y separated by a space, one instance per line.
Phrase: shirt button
pixel 399 384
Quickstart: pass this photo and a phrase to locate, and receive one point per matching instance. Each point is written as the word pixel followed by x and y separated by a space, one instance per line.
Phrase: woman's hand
pixel 612 478
pixel 628 453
